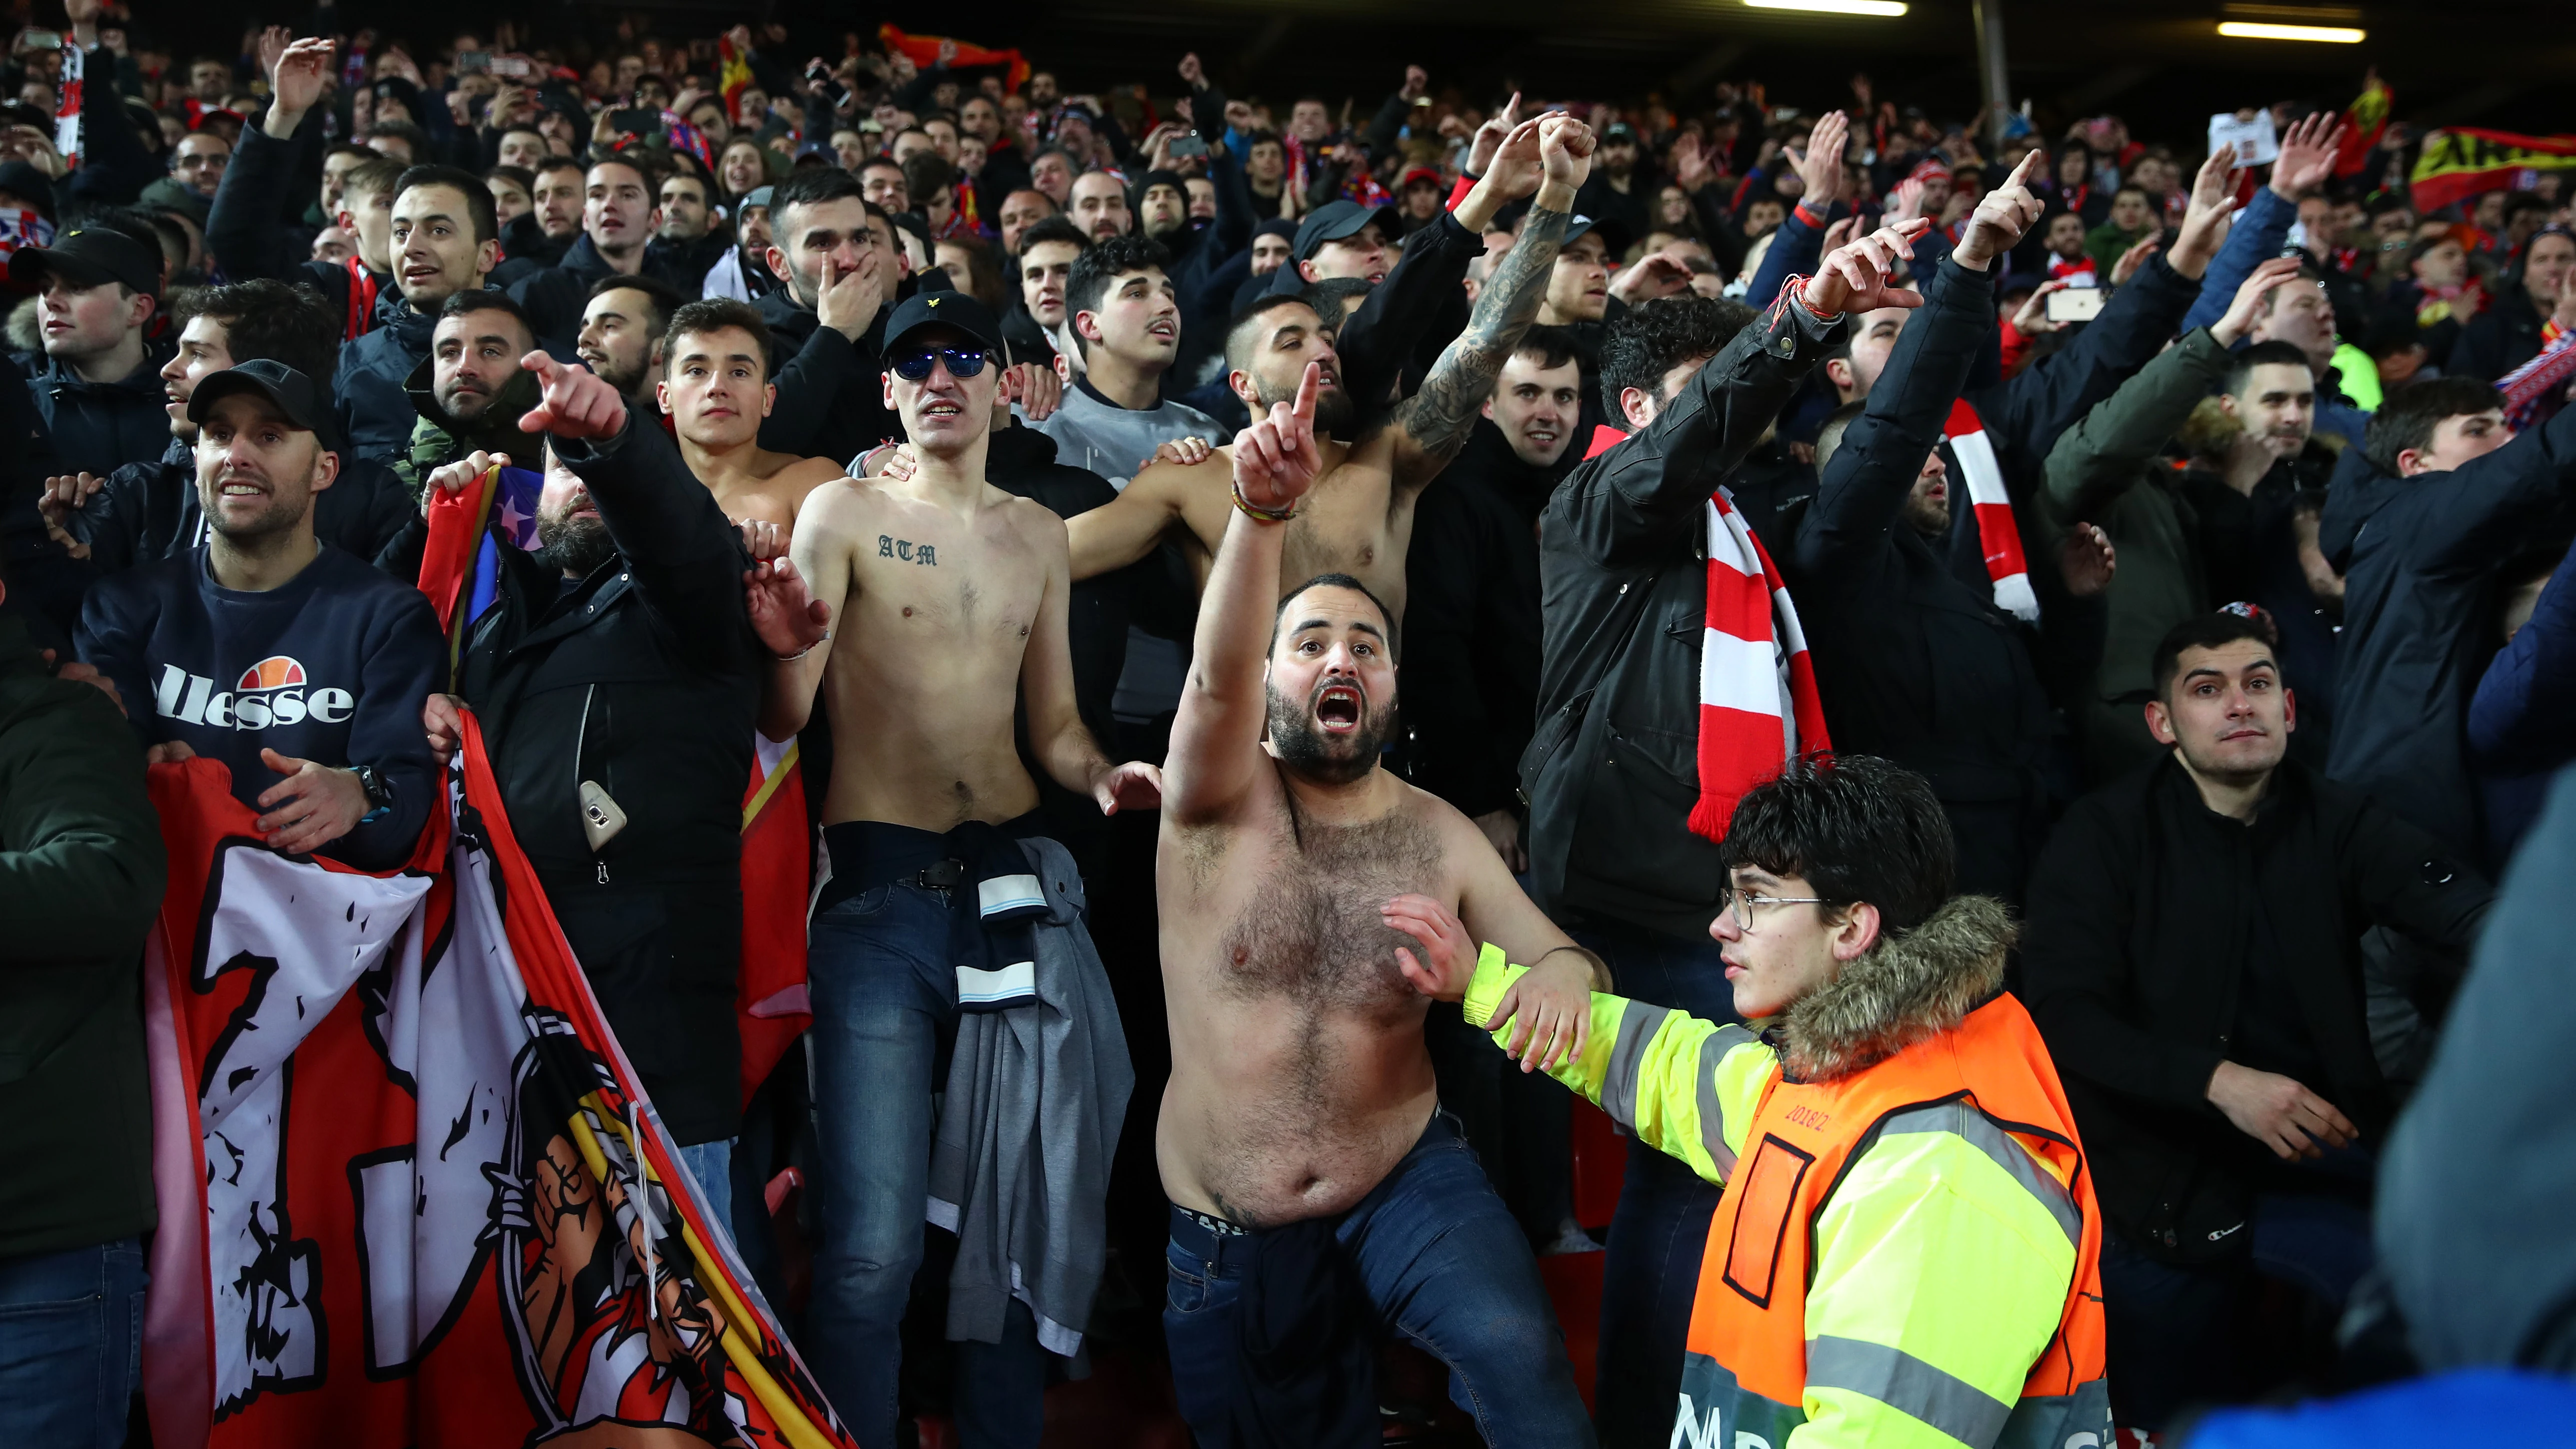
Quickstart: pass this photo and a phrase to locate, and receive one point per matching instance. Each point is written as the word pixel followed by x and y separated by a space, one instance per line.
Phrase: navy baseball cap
pixel 1614 235
pixel 927 309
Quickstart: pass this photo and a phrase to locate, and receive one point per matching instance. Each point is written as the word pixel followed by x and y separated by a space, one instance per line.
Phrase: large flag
pixel 460 570
pixel 2459 162
pixel 924 50
pixel 411 1193
pixel 2364 122
pixel 733 75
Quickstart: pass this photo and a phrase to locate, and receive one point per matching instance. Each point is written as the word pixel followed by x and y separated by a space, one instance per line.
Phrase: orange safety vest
pixel 1989 1080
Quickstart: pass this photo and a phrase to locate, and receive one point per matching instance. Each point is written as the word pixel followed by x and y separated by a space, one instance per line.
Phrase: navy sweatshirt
pixel 331 666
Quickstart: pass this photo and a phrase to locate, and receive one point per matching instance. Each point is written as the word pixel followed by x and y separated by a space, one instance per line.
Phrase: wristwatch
pixel 380 796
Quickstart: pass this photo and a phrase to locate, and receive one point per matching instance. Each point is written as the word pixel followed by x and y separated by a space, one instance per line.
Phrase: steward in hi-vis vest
pixel 1907 1252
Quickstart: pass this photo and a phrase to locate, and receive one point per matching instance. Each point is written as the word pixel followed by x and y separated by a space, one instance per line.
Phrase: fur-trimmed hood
pixel 1901 990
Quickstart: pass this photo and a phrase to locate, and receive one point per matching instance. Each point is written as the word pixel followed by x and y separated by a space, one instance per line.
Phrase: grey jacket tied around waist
pixel 1037 1088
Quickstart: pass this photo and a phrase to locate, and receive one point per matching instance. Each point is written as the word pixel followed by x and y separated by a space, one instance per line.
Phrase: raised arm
pixel 1216 737
pixel 1433 425
pixel 2307 158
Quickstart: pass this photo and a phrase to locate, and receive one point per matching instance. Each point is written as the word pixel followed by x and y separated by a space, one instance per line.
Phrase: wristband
pixel 801 653
pixel 1259 514
pixel 1795 291
pixel 1809 217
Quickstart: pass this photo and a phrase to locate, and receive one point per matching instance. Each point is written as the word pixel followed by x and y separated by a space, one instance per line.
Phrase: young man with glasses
pixel 1906 1251
pixel 946 599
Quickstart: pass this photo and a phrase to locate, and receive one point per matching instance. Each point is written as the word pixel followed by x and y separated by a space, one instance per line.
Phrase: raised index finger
pixel 543 364
pixel 2022 172
pixel 1304 408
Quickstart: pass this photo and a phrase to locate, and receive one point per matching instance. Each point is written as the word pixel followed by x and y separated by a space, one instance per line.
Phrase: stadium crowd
pixel 1967 683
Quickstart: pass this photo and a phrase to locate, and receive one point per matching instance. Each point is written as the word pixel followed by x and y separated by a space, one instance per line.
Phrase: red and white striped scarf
pixel 1751 721
pixel 1998 536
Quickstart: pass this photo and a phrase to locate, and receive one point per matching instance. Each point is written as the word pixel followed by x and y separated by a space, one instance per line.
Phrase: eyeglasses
pixel 1742 902
pixel 962 362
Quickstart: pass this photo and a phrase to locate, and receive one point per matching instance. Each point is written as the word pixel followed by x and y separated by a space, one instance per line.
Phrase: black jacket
pixel 150 510
pixel 376 414
pixel 1912 663
pixel 643 677
pixel 1021 461
pixel 257 229
pixel 2496 341
pixel 1612 770
pixel 99 427
pixel 2155 924
pixel 555 296
pixel 2419 557
pixel 524 239
pixel 831 390
pixel 1471 624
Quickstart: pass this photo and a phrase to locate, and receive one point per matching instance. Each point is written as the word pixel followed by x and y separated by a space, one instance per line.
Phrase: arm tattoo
pixel 1439 417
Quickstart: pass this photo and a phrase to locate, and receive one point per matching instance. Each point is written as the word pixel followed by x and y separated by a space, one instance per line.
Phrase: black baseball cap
pixel 303 403
pixel 1613 233
pixel 927 309
pixel 1338 219
pixel 89 257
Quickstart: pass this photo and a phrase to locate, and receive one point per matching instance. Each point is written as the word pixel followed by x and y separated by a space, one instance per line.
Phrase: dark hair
pixel 1334 581
pixel 666 299
pixel 518 176
pixel 2407 417
pixel 352 148
pixel 528 128
pixel 1103 263
pixel 633 161
pixel 551 164
pixel 812 188
pixel 1554 347
pixel 405 131
pixel 2207 631
pixel 2522 201
pixel 2240 371
pixel 715 314
pixel 983 279
pixel 879 161
pixel 1644 343
pixel 271 320
pixel 1239 331
pixel 1057 228
pixel 1856 828
pixel 925 172
pixel 478 197
pixel 480 299
pixel 706 188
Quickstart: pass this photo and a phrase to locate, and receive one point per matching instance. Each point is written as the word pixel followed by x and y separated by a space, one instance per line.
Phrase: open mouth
pixel 1540 436
pixel 1338 709
pixel 941 410
pixel 1167 330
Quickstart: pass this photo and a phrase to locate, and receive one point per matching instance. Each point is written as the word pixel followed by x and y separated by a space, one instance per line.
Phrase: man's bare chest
pixel 927 573
pixel 1305 923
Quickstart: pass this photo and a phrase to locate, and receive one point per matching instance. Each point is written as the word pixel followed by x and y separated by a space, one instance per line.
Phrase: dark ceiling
pixel 2160 63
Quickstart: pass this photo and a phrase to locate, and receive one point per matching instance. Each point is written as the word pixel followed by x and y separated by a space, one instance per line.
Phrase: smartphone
pixel 473 62
pixel 2076 304
pixel 513 67
pixel 638 121
pixel 1189 147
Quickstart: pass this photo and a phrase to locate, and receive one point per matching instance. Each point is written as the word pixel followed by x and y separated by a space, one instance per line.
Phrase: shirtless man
pixel 1360 519
pixel 947 598
pixel 715 386
pixel 1296 880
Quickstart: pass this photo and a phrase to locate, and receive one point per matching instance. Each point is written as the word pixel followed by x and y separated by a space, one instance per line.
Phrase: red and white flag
pixel 411 1192
pixel 1758 706
pixel 1999 536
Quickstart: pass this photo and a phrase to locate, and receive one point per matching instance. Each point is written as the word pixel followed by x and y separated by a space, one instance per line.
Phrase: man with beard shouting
pixel 1316 1189
pixel 1361 517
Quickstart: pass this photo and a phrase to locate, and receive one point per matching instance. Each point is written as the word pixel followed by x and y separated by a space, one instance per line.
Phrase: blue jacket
pixel 2519 718
pixel 2261 231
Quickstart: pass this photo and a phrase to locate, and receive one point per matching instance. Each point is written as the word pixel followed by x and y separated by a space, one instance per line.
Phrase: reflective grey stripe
pixel 1901 1381
pixel 1637 1026
pixel 1961 1120
pixel 1712 1113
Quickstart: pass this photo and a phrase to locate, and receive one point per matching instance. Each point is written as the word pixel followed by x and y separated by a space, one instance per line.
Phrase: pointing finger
pixel 1304 411
pixel 543 364
pixel 2022 172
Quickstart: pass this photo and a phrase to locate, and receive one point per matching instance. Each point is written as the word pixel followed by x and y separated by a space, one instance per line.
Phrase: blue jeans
pixel 1650 1276
pixel 1447 1269
pixel 711 1163
pixel 878 1024
pixel 2180 1335
pixel 71 1345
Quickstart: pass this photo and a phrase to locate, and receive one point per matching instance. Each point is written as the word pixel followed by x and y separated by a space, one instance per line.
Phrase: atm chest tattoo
pixel 889 546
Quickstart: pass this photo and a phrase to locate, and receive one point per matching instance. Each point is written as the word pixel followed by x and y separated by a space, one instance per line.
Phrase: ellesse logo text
pixel 271 692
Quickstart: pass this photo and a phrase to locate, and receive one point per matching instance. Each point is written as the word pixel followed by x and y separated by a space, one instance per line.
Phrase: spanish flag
pixel 2364 122
pixel 733 72
pixel 924 50
pixel 2458 163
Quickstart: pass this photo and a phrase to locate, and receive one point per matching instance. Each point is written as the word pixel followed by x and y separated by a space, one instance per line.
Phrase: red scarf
pixel 1997 534
pixel 1750 633
pixel 1758 707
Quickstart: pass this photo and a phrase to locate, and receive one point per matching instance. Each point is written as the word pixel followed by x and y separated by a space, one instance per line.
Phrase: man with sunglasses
pixel 947 603
pixel 1907 1250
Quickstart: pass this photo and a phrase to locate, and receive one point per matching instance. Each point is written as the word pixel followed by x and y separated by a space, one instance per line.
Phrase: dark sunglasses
pixel 962 362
